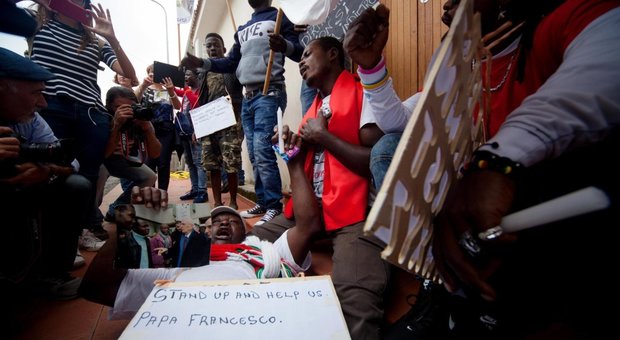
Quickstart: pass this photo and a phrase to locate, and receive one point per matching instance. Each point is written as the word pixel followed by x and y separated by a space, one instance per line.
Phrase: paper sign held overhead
pixel 213 116
pixel 297 308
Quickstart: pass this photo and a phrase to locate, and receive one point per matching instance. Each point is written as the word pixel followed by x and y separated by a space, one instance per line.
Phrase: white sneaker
pixel 89 242
pixel 79 261
pixel 269 215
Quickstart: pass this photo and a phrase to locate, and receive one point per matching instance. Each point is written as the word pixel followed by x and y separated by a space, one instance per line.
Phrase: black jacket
pixel 196 252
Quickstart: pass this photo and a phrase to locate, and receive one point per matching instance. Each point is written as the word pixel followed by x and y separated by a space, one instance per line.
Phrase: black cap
pixel 12 65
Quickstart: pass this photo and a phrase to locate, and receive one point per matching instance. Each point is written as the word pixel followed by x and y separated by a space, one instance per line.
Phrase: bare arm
pixel 102 281
pixel 103 26
pixel 307 212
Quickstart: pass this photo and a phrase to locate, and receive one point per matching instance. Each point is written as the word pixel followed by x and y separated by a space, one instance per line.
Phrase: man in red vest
pixel 339 133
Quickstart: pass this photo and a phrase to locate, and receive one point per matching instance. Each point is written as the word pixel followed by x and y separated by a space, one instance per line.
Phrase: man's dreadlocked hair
pixel 530 12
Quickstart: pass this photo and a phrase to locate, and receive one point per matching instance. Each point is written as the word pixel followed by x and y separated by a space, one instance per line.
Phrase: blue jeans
pixel 126 184
pixel 141 176
pixel 381 156
pixel 89 127
pixel 193 153
pixel 306 97
pixel 259 116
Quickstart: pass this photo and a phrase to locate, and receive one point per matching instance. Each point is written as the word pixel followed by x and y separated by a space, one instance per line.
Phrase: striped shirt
pixel 55 47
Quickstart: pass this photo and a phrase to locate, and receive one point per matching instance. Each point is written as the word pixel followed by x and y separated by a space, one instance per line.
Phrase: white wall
pixel 214 17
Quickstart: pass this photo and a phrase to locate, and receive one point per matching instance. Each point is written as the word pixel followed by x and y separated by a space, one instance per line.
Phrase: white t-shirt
pixel 138 283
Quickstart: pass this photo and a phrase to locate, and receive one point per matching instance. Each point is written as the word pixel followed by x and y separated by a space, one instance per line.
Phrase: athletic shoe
pixel 201 198
pixel 90 242
pixel 189 195
pixel 269 215
pixel 78 261
pixel 254 212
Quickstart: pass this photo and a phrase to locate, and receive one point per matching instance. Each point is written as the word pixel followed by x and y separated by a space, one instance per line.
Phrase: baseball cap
pixel 14 66
pixel 224 209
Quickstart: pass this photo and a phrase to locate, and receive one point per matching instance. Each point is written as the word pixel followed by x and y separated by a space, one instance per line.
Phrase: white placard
pixel 213 116
pixel 297 308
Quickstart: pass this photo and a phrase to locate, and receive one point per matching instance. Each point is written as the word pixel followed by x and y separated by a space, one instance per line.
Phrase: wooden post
pixel 232 18
pixel 276 30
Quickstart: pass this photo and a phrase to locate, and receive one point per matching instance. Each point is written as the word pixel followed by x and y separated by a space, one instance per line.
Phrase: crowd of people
pixel 553 92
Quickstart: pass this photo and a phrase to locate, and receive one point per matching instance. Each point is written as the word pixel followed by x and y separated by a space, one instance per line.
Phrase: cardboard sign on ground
pixel 295 308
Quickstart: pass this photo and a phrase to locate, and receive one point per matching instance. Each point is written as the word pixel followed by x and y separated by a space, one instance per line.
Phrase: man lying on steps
pixel 126 289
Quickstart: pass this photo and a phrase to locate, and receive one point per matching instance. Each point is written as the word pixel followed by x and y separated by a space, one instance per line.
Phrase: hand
pixel 28 175
pixel 190 61
pixel 478 202
pixel 103 23
pixel 168 84
pixel 9 146
pixel 314 129
pixel 149 196
pixel 194 140
pixel 121 116
pixel 289 138
pixel 277 43
pixel 160 251
pixel 367 36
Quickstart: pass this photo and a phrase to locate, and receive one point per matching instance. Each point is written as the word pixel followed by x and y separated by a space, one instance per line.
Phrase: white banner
pixel 307 12
pixel 213 116
pixel 298 308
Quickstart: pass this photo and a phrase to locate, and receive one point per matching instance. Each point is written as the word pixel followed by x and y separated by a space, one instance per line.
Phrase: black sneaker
pixel 254 212
pixel 201 198
pixel 427 318
pixel 190 195
pixel 269 215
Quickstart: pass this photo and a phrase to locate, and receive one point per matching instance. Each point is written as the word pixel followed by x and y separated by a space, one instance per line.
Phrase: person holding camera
pixel 36 174
pixel 132 139
pixel 162 99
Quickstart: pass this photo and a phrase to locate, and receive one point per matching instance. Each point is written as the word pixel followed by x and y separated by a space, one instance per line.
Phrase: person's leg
pixel 126 184
pixel 63 216
pixel 216 186
pixel 189 160
pixel 201 182
pixel 247 120
pixel 360 277
pixel 166 138
pixel 265 162
pixel 381 156
pixel 230 145
pixel 142 176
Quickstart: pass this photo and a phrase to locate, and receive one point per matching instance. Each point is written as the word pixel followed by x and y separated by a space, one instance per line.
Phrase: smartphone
pixel 162 70
pixel 71 10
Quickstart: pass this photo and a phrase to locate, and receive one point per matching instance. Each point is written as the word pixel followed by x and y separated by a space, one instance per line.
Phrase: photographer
pixel 41 186
pixel 132 138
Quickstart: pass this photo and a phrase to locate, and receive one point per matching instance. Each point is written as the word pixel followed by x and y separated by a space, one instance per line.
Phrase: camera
pixel 142 112
pixel 57 152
